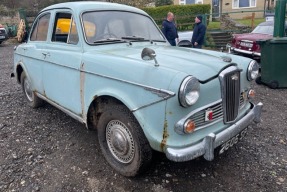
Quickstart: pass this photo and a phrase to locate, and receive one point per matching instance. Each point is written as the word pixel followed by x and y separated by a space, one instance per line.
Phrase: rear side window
pixel 65 29
pixel 40 29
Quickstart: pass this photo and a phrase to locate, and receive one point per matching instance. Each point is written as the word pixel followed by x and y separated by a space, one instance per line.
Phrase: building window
pixel 182 2
pixel 199 2
pixel 244 3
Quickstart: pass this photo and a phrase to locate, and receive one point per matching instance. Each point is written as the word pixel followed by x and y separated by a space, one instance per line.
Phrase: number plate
pixel 232 141
pixel 2 37
pixel 244 44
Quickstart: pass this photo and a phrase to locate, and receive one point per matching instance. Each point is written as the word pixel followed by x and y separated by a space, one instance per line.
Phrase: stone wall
pixel 11 20
pixel 228 24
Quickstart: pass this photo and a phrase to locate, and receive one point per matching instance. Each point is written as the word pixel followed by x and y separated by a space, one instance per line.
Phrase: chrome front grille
pixel 230 84
pixel 226 109
pixel 2 32
pixel 241 100
pixel 217 109
pixel 198 117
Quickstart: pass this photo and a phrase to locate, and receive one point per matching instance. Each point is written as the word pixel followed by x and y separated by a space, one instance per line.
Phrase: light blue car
pixel 110 67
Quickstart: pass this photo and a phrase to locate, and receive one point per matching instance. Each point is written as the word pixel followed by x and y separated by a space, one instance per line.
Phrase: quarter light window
pixel 40 29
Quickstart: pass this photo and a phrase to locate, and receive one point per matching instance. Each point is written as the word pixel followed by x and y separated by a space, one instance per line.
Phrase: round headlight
pixel 253 70
pixel 189 91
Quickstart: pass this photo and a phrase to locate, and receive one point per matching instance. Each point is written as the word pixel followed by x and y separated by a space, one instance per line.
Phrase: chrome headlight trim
pixel 253 70
pixel 189 91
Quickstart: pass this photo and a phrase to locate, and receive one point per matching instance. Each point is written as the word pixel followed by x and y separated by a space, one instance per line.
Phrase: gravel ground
pixel 45 150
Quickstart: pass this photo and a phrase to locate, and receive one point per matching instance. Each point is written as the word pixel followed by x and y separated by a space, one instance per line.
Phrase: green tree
pixel 163 2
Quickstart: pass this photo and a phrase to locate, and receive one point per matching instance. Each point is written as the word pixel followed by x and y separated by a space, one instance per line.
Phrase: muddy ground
pixel 45 150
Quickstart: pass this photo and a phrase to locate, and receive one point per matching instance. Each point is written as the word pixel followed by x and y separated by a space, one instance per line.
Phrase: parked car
pixel 3 34
pixel 115 72
pixel 184 38
pixel 246 43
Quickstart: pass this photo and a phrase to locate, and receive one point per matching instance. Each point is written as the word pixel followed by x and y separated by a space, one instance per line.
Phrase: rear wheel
pixel 31 97
pixel 123 142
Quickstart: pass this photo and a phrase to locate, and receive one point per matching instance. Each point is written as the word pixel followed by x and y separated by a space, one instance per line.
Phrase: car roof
pixel 82 6
pixel 269 23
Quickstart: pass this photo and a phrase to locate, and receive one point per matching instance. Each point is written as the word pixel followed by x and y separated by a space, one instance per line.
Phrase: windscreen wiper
pixel 157 40
pixel 134 38
pixel 109 40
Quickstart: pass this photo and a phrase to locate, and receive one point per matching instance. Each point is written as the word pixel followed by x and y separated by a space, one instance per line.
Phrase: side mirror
pixel 149 54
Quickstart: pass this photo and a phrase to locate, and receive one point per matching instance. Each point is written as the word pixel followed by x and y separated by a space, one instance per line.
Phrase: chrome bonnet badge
pixel 234 77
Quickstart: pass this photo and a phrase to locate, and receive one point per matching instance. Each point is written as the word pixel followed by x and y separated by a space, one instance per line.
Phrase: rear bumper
pixel 209 143
pixel 245 52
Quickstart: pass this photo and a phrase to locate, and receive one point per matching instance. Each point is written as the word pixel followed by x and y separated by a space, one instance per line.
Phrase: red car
pixel 3 34
pixel 246 43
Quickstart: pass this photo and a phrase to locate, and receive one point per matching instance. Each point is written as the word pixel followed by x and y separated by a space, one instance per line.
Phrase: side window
pixel 40 29
pixel 65 29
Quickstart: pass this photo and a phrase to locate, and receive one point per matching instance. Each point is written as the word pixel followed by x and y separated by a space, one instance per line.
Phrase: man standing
pixel 198 33
pixel 169 29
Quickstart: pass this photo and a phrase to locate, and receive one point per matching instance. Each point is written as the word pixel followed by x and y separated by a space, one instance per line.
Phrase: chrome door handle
pixel 46 54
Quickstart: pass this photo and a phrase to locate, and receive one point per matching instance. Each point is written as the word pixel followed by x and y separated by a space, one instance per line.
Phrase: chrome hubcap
pixel 120 141
pixel 28 90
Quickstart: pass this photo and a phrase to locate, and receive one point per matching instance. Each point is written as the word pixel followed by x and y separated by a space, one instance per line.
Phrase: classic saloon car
pixel 246 44
pixel 114 71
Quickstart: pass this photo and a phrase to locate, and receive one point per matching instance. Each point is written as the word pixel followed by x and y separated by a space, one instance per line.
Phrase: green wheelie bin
pixel 273 62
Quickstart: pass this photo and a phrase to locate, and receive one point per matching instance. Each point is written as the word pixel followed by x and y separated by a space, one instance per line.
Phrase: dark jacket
pixel 169 30
pixel 198 33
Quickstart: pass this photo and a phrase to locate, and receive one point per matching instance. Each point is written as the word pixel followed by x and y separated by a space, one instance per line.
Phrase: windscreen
pixel 112 25
pixel 264 29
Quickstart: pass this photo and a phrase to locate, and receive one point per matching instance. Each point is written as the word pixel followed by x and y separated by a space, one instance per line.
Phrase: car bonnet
pixel 202 64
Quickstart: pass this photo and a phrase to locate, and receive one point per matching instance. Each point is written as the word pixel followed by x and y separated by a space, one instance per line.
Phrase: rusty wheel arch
pixel 97 107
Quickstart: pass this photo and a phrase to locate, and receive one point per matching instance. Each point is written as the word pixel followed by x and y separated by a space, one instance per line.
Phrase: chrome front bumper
pixel 209 143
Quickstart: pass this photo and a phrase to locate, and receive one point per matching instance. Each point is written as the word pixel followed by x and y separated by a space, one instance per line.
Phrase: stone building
pixel 237 9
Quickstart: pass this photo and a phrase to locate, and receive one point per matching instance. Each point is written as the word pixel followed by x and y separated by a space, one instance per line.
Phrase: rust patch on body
pixel 82 89
pixel 165 136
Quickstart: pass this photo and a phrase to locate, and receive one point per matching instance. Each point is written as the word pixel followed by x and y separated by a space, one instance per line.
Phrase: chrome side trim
pixel 159 92
pixel 71 114
pixel 144 106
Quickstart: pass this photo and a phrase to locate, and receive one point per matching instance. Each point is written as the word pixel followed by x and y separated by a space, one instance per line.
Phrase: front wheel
pixel 31 97
pixel 123 142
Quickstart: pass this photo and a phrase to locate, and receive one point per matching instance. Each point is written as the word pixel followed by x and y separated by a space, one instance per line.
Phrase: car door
pixel 32 52
pixel 62 72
